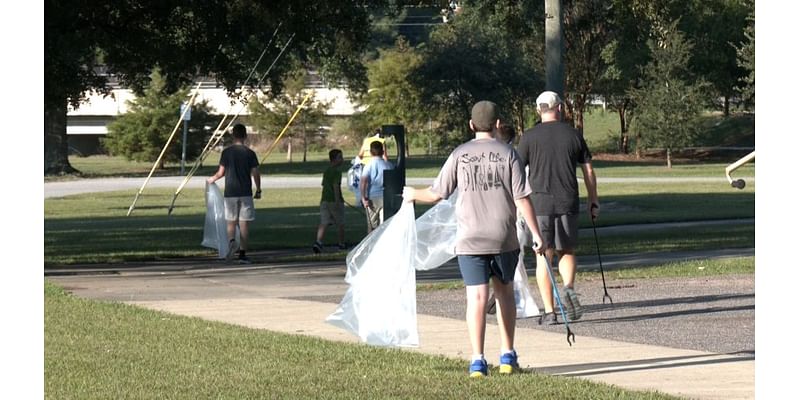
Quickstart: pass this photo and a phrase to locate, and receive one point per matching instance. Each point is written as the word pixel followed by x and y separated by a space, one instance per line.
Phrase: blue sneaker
pixel 508 362
pixel 478 369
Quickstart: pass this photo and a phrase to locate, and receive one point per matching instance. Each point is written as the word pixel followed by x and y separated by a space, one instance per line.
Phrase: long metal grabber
pixel 164 150
pixel 220 133
pixel 739 183
pixel 600 260
pixel 230 108
pixel 241 106
pixel 300 107
pixel 570 335
pixel 246 81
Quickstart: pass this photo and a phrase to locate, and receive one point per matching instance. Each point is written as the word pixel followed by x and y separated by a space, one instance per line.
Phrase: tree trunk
pixel 56 149
pixel 305 141
pixel 727 102
pixel 579 117
pixel 623 131
pixel 289 151
pixel 669 158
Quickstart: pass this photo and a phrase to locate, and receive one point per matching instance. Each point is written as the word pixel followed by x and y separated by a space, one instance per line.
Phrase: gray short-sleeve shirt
pixel 489 178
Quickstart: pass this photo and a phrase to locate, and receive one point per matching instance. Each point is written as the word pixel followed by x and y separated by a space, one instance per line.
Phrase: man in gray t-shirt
pixel 491 187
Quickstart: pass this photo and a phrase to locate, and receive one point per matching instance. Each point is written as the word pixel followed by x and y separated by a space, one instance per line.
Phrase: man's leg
pixel 244 234
pixel 543 280
pixel 567 267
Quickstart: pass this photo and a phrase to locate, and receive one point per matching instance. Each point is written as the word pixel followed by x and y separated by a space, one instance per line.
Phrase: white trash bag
pixel 215 231
pixel 526 305
pixel 380 306
pixel 436 235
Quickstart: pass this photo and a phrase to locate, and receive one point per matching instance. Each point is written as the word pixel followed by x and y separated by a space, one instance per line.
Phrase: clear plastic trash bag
pixel 380 306
pixel 215 231
pixel 436 235
pixel 526 305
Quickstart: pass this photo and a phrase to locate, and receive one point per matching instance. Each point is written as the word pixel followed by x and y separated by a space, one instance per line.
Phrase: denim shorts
pixel 476 269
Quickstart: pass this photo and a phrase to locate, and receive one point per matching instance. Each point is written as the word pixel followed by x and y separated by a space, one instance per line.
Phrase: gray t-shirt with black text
pixel 489 178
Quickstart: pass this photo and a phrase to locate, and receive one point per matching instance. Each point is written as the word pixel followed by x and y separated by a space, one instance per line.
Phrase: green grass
pixel 100 350
pixel 288 218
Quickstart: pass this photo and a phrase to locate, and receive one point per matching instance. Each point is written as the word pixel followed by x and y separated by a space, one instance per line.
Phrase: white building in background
pixel 89 122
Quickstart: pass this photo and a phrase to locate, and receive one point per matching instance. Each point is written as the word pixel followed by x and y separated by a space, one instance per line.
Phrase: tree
pixel 142 132
pixel 184 40
pixel 587 32
pixel 624 56
pixel 746 59
pixel 489 51
pixel 392 98
pixel 670 101
pixel 270 114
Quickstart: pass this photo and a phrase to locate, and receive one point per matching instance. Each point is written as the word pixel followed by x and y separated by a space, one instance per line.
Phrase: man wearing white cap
pixel 553 150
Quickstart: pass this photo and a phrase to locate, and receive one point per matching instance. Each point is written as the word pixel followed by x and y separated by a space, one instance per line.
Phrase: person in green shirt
pixel 331 205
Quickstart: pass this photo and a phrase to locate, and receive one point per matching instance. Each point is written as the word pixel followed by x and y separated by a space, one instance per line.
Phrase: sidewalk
pixel 678 372
pixel 276 297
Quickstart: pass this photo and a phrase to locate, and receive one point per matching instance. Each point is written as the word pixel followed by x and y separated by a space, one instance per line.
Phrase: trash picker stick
pixel 164 150
pixel 218 134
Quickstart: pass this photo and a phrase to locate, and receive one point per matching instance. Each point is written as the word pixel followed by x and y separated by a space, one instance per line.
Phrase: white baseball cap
pixel 549 98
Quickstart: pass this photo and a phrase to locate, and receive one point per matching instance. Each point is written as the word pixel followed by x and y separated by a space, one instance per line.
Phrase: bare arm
pixel 363 186
pixel 220 173
pixel 422 195
pixel 525 206
pixel 257 178
pixel 590 180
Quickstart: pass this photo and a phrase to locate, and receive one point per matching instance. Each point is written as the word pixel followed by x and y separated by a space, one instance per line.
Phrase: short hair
pixel 376 148
pixel 334 154
pixel 506 133
pixel 239 131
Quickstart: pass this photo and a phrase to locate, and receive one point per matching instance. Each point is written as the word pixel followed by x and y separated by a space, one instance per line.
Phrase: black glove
pixel 258 194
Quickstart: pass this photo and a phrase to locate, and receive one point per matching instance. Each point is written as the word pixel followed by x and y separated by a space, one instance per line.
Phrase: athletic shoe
pixel 548 319
pixel 317 247
pixel 571 303
pixel 478 369
pixel 491 305
pixel 342 246
pixel 244 260
pixel 233 247
pixel 508 362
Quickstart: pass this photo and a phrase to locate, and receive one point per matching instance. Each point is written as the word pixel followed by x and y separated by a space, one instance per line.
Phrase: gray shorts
pixel 331 213
pixel 559 230
pixel 239 209
pixel 476 269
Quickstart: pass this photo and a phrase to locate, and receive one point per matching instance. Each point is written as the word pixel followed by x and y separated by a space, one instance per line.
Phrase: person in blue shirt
pixel 371 185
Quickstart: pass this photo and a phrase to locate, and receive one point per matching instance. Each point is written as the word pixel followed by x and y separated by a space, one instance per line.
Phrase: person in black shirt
pixel 552 150
pixel 238 164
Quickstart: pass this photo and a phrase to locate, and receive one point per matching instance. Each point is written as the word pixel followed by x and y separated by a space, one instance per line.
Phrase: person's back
pixel 553 150
pixel 371 186
pixel 481 169
pixel 238 160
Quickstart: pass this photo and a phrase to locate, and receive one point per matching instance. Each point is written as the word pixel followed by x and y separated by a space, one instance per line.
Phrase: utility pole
pixel 554 47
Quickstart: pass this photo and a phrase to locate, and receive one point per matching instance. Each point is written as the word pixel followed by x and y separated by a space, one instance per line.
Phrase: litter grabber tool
pixel 600 260
pixel 570 335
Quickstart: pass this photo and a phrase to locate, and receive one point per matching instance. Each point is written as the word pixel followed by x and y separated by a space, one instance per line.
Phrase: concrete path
pixel 296 298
